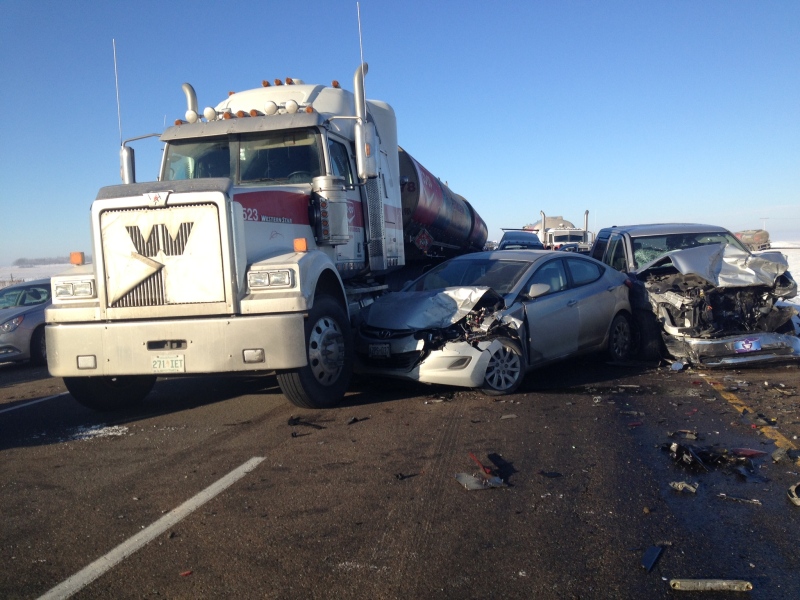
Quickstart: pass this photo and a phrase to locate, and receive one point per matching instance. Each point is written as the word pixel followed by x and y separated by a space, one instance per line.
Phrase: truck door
pixel 349 256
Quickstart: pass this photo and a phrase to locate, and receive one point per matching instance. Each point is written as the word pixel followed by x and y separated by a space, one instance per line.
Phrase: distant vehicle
pixel 484 320
pixel 519 239
pixel 754 239
pixel 22 321
pixel 557 232
pixel 700 295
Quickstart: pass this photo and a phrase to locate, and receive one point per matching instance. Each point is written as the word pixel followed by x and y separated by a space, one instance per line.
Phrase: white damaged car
pixel 485 319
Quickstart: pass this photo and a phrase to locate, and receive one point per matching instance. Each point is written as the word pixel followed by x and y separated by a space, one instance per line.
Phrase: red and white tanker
pixel 276 216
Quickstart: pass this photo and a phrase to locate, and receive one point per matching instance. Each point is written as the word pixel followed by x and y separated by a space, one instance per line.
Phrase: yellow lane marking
pixel 781 441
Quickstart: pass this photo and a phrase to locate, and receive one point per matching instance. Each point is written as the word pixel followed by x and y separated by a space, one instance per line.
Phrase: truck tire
pixel 620 339
pixel 648 343
pixel 323 382
pixel 506 369
pixel 110 393
pixel 38 349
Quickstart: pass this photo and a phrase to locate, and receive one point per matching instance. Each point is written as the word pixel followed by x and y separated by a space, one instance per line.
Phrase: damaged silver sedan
pixel 703 297
pixel 485 319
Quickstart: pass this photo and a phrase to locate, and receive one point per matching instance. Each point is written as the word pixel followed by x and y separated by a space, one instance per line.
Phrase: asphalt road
pixel 219 488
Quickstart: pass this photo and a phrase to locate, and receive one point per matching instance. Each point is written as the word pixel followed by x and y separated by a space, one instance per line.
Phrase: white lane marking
pixel 84 577
pixel 32 402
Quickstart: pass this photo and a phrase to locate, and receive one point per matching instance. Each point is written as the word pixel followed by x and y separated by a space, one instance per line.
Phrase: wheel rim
pixel 326 351
pixel 504 369
pixel 621 339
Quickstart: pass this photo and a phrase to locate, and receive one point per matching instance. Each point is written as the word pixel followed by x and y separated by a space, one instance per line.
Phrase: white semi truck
pixel 276 216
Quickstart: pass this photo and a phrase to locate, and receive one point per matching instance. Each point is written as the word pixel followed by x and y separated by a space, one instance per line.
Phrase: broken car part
pixel 683 486
pixel 651 557
pixel 794 494
pixel 710 585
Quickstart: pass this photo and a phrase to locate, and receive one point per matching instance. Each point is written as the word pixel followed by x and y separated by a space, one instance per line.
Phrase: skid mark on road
pixel 781 441
pixel 84 577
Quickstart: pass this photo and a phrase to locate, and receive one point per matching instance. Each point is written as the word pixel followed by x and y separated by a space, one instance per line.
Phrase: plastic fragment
pixel 479 483
pixel 651 557
pixel 710 585
pixel 779 455
pixel 749 452
pixel 683 486
pixel 737 499
pixel 186 573
pixel 511 416
pixel 794 494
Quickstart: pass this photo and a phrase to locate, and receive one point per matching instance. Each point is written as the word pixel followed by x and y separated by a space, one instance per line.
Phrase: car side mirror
pixel 538 289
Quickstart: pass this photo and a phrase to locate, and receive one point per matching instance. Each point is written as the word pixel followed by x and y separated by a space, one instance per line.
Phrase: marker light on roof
pixel 241 113
pixel 227 115
pixel 278 82
pixel 309 109
pixel 335 83
pixel 191 116
pixel 270 108
pixel 291 107
pixel 209 113
pixel 254 112
pixel 179 122
pixel 265 83
pixel 289 81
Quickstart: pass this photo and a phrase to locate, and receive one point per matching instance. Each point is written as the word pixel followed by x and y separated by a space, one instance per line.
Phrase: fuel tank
pixel 436 221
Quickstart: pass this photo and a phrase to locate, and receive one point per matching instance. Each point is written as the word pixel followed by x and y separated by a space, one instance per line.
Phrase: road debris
pixel 683 486
pixel 509 416
pixel 486 477
pixel 651 557
pixel 353 420
pixel 737 499
pixel 748 452
pixel 794 494
pixel 710 585
pixel 678 366
pixel 685 434
pixel 294 421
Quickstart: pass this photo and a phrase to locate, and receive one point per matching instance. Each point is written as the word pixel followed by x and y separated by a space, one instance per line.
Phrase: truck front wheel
pixel 110 393
pixel 323 382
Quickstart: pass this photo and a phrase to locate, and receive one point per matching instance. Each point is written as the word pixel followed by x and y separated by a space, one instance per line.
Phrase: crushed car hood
pixel 724 265
pixel 425 310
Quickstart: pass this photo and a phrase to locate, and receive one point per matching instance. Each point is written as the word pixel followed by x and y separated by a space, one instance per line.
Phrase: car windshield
pixel 646 249
pixel 500 275
pixel 286 157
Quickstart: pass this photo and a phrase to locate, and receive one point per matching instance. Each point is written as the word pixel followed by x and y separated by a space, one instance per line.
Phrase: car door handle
pixel 572 303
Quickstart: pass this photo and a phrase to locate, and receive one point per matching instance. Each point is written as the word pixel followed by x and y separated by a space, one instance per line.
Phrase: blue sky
pixel 639 111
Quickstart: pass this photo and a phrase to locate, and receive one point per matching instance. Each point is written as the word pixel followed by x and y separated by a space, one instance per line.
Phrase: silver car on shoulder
pixel 485 319
pixel 22 321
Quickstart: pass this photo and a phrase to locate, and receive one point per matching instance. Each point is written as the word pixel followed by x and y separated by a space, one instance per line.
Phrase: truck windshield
pixel 563 238
pixel 286 157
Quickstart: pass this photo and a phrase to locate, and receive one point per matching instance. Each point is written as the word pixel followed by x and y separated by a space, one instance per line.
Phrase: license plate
pixel 747 346
pixel 379 351
pixel 169 363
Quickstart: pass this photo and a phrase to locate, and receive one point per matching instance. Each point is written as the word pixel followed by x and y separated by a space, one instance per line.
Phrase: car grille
pixel 397 362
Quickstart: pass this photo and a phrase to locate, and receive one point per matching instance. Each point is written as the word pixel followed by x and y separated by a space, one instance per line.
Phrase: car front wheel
pixel 506 369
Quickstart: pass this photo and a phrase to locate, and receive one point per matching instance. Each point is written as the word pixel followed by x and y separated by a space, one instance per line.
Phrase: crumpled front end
pixel 721 307
pixel 442 337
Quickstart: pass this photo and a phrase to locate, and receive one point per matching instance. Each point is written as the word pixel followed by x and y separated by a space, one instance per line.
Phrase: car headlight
pixel 11 324
pixel 281 278
pixel 74 289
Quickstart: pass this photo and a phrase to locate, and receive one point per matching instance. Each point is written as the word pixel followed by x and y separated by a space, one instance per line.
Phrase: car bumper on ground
pixel 738 350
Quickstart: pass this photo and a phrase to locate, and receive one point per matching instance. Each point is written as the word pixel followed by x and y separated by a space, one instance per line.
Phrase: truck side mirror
pixel 366 150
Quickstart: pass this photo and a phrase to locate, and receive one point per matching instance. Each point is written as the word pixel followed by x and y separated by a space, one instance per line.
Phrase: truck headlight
pixel 74 289
pixel 270 279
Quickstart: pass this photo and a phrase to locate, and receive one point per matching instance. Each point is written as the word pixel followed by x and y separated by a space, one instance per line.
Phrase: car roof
pixel 28 283
pixel 665 228
pixel 527 255
pixel 519 234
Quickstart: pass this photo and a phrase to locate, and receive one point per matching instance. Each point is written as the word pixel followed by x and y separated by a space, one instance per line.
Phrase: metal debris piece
pixel 511 416
pixel 632 413
pixel 780 454
pixel 794 494
pixel 685 434
pixel 683 486
pixel 687 455
pixel 293 421
pixel 737 499
pixel 710 585
pixel 651 556
pixel 479 483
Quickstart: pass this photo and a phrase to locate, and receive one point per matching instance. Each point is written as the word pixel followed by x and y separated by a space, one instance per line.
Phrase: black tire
pixel 323 382
pixel 648 343
pixel 620 339
pixel 506 369
pixel 110 393
pixel 38 349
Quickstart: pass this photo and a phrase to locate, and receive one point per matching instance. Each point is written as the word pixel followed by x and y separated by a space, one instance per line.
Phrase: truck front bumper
pixel 176 346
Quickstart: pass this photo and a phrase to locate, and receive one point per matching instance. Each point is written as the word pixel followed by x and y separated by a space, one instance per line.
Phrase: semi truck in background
pixel 556 233
pixel 277 215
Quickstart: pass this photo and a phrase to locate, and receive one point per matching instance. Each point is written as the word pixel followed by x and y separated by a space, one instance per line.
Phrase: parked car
pixel 518 239
pixel 701 296
pixel 486 319
pixel 22 321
